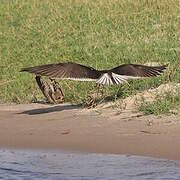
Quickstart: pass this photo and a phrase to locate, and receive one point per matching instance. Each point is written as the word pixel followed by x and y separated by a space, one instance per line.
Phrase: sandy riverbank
pixel 98 130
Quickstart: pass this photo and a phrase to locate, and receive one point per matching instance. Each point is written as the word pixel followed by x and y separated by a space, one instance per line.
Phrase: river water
pixel 59 165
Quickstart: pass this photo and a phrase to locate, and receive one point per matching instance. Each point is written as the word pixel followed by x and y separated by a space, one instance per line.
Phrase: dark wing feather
pixel 64 70
pixel 136 70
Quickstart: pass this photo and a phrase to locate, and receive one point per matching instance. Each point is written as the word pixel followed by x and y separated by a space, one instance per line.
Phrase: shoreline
pixel 68 127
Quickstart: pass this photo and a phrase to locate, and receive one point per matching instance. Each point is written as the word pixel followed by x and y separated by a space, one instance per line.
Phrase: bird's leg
pixel 117 93
pixel 100 90
pixel 57 93
pixel 92 102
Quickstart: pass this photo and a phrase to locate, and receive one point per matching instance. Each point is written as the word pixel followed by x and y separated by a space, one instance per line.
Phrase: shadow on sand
pixel 50 109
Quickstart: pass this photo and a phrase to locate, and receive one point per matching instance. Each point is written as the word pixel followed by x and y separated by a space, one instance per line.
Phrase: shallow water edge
pixel 52 164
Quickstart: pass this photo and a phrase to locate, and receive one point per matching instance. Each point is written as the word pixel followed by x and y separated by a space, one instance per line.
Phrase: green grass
pixel 162 105
pixel 101 34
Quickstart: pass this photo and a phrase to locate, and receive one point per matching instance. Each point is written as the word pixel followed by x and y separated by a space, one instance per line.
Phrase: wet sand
pixel 102 130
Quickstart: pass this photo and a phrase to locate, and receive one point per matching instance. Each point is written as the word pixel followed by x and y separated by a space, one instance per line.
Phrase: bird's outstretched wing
pixel 123 73
pixel 136 70
pixel 79 72
pixel 65 71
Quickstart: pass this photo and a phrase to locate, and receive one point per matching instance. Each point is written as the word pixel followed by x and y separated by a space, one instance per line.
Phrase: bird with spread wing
pixel 78 72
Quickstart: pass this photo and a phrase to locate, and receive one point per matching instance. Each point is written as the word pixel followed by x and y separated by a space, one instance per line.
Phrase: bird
pixel 53 93
pixel 78 72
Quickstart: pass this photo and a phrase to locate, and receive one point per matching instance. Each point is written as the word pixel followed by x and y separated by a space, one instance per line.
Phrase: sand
pixel 100 130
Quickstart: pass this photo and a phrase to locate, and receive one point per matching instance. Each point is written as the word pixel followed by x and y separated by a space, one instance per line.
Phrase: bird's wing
pixel 65 71
pixel 135 70
pixel 123 73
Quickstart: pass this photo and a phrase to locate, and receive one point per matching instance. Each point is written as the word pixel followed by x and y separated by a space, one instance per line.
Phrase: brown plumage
pixel 53 93
pixel 79 72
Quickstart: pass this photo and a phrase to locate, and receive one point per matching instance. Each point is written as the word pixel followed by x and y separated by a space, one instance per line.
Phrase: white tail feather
pixel 105 79
pixel 119 79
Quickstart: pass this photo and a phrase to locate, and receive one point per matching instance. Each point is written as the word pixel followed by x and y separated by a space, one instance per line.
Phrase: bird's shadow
pixel 50 109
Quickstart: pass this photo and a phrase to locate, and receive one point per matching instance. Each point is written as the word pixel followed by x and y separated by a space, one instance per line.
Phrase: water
pixel 54 165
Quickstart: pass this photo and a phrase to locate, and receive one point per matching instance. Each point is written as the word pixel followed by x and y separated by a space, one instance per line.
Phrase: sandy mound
pixel 131 103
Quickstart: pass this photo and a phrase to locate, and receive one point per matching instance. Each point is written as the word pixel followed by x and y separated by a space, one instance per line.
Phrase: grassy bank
pixel 168 103
pixel 101 34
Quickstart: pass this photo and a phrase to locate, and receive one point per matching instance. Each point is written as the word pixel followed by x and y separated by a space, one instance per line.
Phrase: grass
pixel 162 105
pixel 101 34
